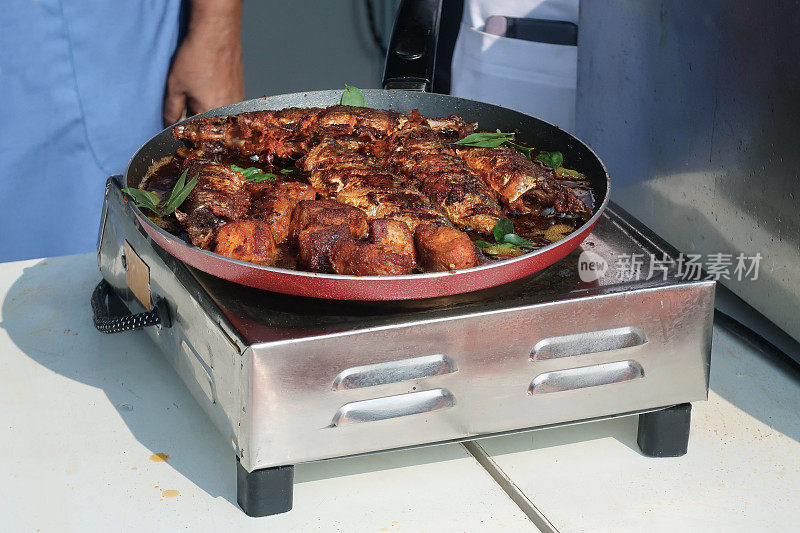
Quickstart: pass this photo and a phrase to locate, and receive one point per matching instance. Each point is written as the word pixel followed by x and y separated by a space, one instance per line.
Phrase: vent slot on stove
pixel 589 342
pixel 412 403
pixel 587 376
pixel 394 371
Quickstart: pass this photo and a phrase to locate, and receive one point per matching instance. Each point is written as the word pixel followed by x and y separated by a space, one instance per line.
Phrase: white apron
pixel 536 78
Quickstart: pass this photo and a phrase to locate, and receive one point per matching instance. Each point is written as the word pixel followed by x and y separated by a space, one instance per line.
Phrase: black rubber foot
pixel 264 492
pixel 665 433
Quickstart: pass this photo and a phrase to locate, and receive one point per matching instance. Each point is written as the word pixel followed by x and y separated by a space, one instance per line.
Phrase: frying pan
pixel 409 72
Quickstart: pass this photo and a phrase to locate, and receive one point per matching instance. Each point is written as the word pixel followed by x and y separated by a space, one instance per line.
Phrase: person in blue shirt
pixel 83 84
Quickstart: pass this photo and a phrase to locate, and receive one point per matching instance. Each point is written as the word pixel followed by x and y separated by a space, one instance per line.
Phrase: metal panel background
pixel 695 108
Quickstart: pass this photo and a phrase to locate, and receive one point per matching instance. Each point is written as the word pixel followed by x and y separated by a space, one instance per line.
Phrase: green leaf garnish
pixel 287 170
pixel 352 96
pixel 179 193
pixel 505 239
pixel 551 159
pixel 485 139
pixel 565 173
pixel 502 228
pixel 516 240
pixel 254 175
pixel 151 201
pixel 179 185
pixel 493 140
pixel 246 172
pixel 261 176
pixel 144 199
pixel 524 149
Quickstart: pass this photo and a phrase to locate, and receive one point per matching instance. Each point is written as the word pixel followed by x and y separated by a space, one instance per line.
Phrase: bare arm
pixel 207 69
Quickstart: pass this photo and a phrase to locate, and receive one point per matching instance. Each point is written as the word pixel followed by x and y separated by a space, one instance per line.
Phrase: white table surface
pixel 741 471
pixel 81 413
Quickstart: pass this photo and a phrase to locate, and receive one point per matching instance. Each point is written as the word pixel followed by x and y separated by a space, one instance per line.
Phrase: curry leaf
pixel 516 240
pixel 287 170
pixel 502 228
pixel 179 193
pixel 144 199
pixel 524 149
pixel 352 96
pixel 485 139
pixel 493 140
pixel 179 185
pixel 551 159
pixel 505 239
pixel 246 172
pixel 261 176
pixel 150 200
pixel 254 175
pixel 567 173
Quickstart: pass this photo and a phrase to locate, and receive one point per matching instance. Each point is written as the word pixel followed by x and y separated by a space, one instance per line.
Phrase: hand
pixel 207 69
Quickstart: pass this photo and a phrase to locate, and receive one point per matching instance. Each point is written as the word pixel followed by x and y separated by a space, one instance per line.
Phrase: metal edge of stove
pixel 430 381
pixel 201 345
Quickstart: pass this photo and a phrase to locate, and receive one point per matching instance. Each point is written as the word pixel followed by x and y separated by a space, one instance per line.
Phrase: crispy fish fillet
pixel 277 133
pixel 419 152
pixel 291 132
pixel 219 188
pixel 221 195
pixel 363 181
pixel 273 202
pixel 523 185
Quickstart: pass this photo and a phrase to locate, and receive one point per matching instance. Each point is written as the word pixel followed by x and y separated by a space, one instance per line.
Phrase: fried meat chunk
pixel 419 152
pixel 273 202
pixel 315 244
pixel 247 240
pixel 389 251
pixel 201 225
pixel 523 185
pixel 319 213
pixel 220 196
pixel 317 225
pixel 441 248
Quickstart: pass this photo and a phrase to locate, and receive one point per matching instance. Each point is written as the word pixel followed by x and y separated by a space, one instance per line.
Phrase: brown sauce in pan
pixel 541 230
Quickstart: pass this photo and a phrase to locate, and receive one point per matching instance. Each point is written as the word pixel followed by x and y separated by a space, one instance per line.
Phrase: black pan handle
pixel 105 322
pixel 411 55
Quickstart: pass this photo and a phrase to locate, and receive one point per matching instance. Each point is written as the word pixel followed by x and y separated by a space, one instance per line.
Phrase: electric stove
pixel 290 380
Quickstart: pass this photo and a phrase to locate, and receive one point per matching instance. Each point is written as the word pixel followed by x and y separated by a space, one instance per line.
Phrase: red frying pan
pixel 410 71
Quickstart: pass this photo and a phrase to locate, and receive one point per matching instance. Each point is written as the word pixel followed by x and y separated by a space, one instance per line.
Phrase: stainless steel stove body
pixel 292 380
